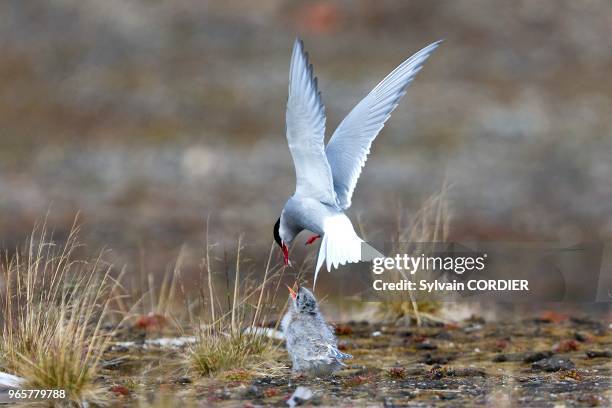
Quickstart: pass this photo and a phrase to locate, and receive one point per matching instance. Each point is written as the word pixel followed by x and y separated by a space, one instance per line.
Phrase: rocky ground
pixel 551 360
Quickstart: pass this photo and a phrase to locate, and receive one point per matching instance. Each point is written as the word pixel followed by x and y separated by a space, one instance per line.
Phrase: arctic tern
pixel 326 176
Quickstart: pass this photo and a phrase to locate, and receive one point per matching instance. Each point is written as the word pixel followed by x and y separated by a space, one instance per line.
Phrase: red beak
pixel 292 292
pixel 286 254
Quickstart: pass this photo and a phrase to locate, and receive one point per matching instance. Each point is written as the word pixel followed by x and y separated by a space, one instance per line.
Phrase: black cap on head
pixel 277 237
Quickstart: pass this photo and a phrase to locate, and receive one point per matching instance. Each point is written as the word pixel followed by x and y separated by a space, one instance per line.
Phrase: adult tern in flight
pixel 326 175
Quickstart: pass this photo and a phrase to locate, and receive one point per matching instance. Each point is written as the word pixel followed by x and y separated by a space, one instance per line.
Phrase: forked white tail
pixel 340 244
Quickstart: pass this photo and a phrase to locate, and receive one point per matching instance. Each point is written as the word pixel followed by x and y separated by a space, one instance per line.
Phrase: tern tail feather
pixel 340 244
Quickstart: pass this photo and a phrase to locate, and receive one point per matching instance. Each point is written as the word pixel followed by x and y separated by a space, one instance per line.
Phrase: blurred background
pixel 148 116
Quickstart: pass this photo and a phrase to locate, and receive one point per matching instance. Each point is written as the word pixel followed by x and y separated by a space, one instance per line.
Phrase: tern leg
pixel 312 239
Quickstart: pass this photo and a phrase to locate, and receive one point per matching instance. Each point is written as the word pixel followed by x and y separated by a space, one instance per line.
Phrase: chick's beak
pixel 292 292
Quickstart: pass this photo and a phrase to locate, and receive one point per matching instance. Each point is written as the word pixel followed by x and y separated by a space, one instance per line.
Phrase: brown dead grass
pixel 415 235
pixel 54 306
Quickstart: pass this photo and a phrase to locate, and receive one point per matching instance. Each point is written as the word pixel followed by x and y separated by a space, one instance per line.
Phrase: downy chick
pixel 311 343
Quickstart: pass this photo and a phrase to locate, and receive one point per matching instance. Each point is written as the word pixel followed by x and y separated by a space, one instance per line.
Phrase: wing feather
pixel 349 146
pixel 305 119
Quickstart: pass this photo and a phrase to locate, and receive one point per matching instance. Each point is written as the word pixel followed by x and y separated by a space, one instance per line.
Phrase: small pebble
pixel 553 364
pixel 430 360
pixel 598 354
pixel 426 346
pixel 581 337
pixel 299 396
pixel 500 358
pixel 473 328
pixel 537 356
pixel 119 348
pixel 253 392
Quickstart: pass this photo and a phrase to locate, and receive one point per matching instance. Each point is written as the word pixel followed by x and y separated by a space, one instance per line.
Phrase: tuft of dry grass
pixel 215 351
pixel 222 344
pixel 53 307
pixel 415 235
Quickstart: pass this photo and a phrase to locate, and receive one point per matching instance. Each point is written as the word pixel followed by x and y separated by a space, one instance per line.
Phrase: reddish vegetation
pixel 342 346
pixel 151 321
pixel 271 392
pixel 397 372
pixel 500 345
pixel 358 380
pixel 120 390
pixel 565 346
pixel 553 317
pixel 343 330
pixel 319 18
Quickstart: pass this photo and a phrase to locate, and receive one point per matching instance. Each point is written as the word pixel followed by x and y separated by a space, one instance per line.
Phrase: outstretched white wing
pixel 306 130
pixel 349 146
